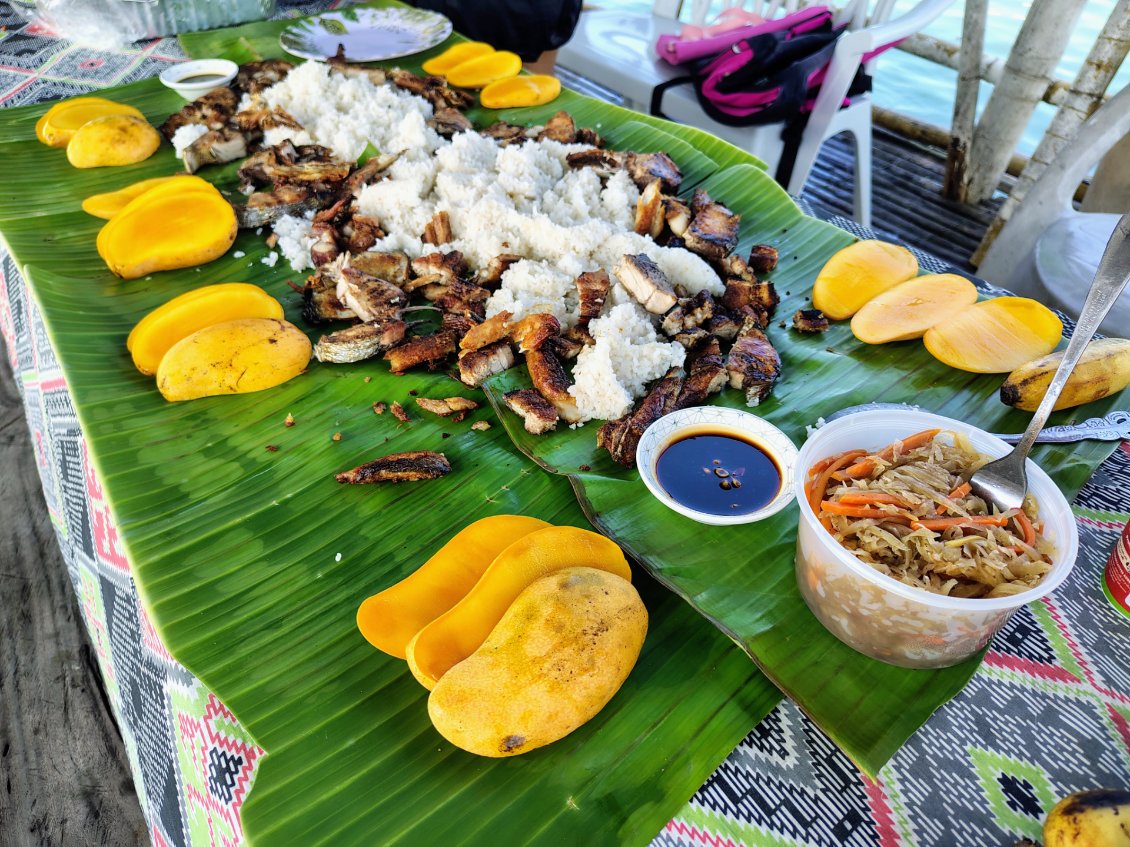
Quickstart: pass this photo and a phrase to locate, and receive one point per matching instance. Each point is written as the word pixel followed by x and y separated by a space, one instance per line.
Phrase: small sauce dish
pixel 192 79
pixel 718 465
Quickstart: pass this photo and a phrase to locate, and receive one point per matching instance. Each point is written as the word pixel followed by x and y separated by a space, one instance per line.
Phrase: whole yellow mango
pixel 234 357
pixel 112 140
pixel 559 654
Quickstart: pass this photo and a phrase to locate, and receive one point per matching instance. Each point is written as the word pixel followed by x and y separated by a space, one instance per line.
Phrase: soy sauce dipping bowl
pixel 703 420
pixel 215 73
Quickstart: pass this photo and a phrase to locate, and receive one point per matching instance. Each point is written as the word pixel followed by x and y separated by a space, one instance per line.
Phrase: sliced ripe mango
pixel 108 204
pixel 910 308
pixel 388 620
pixel 483 70
pixel 995 336
pixel 61 126
pixel 62 104
pixel 518 91
pixel 112 140
pixel 454 55
pixel 183 315
pixel 859 272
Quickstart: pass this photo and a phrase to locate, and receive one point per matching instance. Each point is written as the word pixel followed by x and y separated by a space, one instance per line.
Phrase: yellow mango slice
pixel 461 630
pixel 388 620
pixel 170 226
pixel 41 124
pixel 517 91
pixel 455 55
pixel 558 655
pixel 483 70
pixel 109 203
pixel 112 140
pixel 61 126
pixel 183 315
pixel 859 272
pixel 995 336
pixel 910 308
pixel 233 357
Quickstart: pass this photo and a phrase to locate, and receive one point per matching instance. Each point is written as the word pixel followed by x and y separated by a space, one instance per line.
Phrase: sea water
pixel 925 91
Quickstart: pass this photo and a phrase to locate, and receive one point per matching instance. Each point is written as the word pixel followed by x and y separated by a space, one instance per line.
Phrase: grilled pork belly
pixel 413 466
pixel 763 258
pixel 359 342
pixel 692 338
pixel 476 366
pixel 449 266
pixel 549 378
pixel 646 282
pixel 621 437
pixel 645 167
pixel 650 212
pixel 706 374
pixel 446 406
pixel 753 363
pixel 448 121
pixel 438 230
pixel 538 416
pixel 563 347
pixel 532 331
pixel 360 232
pixel 592 290
pixel 678 215
pixel 758 294
pixel 324 250
pixel 506 134
pixel 604 162
pixel 713 231
pixel 488 332
pixel 689 313
pixel 459 324
pixel 491 275
pixel 810 320
pixel 423 350
pixel 559 128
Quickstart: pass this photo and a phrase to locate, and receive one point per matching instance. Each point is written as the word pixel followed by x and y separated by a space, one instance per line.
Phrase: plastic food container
pixel 882 617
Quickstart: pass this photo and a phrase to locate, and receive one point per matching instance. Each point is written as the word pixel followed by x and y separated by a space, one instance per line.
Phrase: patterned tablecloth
pixel 1047 713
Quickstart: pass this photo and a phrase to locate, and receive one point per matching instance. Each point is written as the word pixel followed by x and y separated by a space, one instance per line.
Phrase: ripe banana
pixel 1099 818
pixel 1104 369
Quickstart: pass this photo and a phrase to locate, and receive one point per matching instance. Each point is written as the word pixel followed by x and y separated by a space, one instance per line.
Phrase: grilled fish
pixel 214 148
pixel 360 232
pixel 559 128
pixel 413 466
pixel 372 299
pixel 253 77
pixel 319 299
pixel 418 351
pixel 476 366
pixel 713 231
pixel 448 121
pixel 604 162
pixel 753 363
pixel 264 207
pixel 359 342
pixel 391 267
pixel 538 416
pixel 549 378
pixel 449 266
pixel 506 134
pixel 646 282
pixel 212 110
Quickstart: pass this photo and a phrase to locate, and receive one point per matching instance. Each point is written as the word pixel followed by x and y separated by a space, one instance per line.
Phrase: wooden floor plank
pixel 64 776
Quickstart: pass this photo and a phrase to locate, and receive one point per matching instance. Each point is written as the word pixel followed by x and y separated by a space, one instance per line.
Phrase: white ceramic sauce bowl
pixel 717 419
pixel 208 74
pixel 882 617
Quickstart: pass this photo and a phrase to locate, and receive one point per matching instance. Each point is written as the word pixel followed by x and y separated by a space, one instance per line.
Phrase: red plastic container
pixel 1116 579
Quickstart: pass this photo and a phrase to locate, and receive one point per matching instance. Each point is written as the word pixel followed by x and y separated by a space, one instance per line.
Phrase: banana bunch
pixel 1104 369
pixel 1099 818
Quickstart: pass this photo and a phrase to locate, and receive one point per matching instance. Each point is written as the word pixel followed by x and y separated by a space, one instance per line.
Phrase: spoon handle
pixel 1110 280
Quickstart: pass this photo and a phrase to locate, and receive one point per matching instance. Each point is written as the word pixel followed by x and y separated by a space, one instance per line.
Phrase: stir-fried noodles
pixel 908 512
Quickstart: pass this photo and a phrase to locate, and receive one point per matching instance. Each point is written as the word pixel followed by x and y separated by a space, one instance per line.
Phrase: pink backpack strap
pixel 677 51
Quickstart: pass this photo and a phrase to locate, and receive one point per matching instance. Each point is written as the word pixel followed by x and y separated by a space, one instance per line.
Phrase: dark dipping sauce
pixel 718 473
pixel 198 78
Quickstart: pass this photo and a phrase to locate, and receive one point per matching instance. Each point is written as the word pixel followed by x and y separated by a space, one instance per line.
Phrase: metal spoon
pixel 1004 483
pixel 1113 427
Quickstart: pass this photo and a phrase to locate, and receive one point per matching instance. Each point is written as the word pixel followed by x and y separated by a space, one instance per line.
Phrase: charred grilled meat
pixel 491 275
pixel 533 331
pixel 476 366
pixel 691 312
pixel 604 162
pixel 713 231
pixel 360 232
pixel 592 290
pixel 650 215
pixel 264 207
pixel 359 342
pixel 413 466
pixel 621 437
pixel 447 406
pixel 706 374
pixel 447 122
pixel 506 134
pixel 758 294
pixel 459 324
pixel 723 325
pixel 810 320
pixel 560 128
pixel 488 332
pixel 212 110
pixel 692 338
pixel 324 250
pixel 645 167
pixel 448 266
pixel 418 351
pixel 462 298
pixel 438 230
pixel 753 363
pixel 319 299
pixel 549 378
pixel 434 89
pixel 734 267
pixel 537 415
pixel 763 258
pixel 678 215
pixel 646 282
pixel 372 299
pixel 253 77
pixel 214 148
pixel 391 267
pixel 563 347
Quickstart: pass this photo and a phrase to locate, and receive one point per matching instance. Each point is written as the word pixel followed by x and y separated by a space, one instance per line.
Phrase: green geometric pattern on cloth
pixel 1023 819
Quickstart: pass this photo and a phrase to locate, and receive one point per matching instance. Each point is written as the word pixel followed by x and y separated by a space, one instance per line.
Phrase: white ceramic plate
pixel 368 35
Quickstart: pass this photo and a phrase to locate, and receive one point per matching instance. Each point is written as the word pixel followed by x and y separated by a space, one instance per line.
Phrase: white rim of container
pixel 173 77
pixel 668 428
pixel 982 604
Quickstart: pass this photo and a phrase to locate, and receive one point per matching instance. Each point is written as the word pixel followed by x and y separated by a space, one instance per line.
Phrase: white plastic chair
pixel 1049 251
pixel 617 50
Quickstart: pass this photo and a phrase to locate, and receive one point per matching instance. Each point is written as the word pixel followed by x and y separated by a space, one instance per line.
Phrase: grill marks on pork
pixel 713 230
pixel 560 127
pixel 427 349
pixel 212 110
pixel 489 331
pixel 810 320
pixel 650 211
pixel 532 331
pixel 447 406
pixel 537 414
pixel 706 374
pixel 549 378
pixel 689 313
pixel 434 89
pixel 592 291
pixel 621 437
pixel 646 282
pixel 642 168
pixel 753 364
pixel 476 366
pixel 412 466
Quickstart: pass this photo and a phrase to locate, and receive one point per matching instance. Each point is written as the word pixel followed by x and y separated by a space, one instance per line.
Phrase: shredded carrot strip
pixel 1026 527
pixel 821 483
pixel 868 498
pixel 958 492
pixel 836 508
pixel 911 442
pixel 972 520
pixel 826 522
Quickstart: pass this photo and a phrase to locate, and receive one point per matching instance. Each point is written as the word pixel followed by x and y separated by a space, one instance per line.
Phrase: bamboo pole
pixel 1106 56
pixel 965 100
pixel 1038 47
